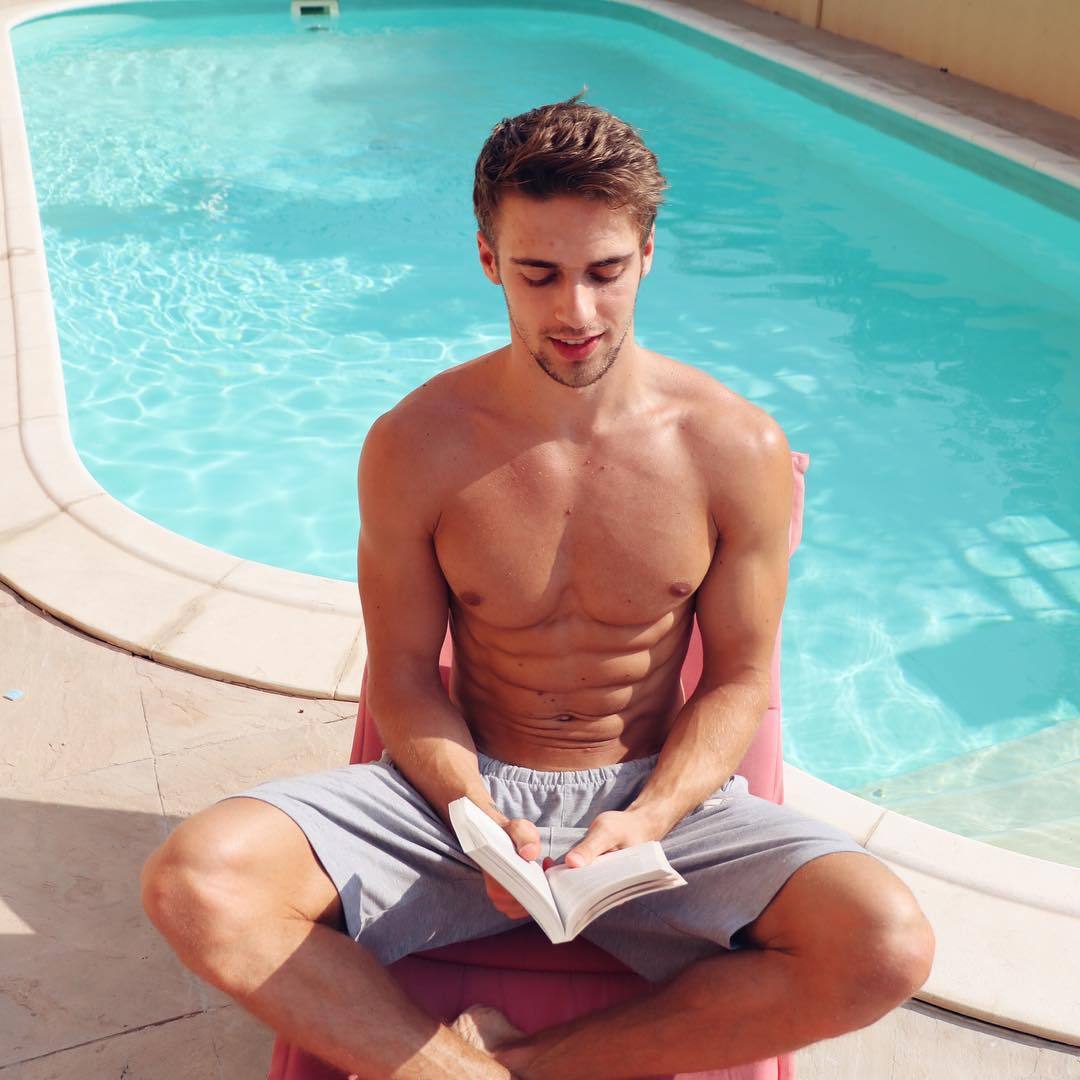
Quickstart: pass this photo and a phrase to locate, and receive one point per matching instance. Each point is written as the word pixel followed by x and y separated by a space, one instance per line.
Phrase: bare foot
pixel 485 1028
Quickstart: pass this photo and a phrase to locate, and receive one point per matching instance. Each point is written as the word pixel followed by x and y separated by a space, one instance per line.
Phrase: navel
pixel 680 588
pixel 471 598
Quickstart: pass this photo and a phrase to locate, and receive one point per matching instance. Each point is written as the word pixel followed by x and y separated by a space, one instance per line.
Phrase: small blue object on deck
pixel 13 695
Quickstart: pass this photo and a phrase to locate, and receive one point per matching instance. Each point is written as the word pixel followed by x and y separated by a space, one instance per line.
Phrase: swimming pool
pixel 254 249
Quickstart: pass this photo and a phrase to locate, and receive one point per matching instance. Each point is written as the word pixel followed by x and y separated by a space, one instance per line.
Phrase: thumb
pixel 583 853
pixel 526 837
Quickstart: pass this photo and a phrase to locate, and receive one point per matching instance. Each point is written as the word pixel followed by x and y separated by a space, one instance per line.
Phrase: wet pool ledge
pixel 1006 923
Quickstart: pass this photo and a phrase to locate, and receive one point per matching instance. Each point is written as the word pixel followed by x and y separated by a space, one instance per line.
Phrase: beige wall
pixel 1028 48
pixel 808 12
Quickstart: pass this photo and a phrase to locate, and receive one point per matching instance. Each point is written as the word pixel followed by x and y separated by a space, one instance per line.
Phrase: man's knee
pixel 228 870
pixel 888 955
pixel 877 953
pixel 864 943
pixel 197 881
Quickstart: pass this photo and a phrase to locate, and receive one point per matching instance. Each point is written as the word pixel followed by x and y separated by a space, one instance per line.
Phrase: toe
pixel 485 1027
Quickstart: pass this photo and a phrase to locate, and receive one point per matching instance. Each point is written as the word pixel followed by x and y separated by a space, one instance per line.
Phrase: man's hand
pixel 526 838
pixel 610 831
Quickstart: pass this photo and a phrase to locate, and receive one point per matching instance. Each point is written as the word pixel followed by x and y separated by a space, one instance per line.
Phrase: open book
pixel 562 899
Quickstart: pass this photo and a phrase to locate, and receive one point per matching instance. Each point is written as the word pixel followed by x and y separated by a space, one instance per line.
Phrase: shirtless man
pixel 570 502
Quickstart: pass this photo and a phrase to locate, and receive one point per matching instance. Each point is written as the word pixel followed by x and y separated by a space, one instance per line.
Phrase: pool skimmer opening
pixel 306 8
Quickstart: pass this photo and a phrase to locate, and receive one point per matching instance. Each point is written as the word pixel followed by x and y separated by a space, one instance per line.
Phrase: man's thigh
pixel 736 852
pixel 402 880
pixel 825 904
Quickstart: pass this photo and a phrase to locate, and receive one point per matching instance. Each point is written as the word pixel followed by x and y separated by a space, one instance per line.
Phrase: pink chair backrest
pixel 763 764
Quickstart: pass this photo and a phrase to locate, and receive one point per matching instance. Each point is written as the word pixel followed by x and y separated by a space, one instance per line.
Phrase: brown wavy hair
pixel 568 148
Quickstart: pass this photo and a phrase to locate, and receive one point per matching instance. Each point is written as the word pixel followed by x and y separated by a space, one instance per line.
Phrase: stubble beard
pixel 579 376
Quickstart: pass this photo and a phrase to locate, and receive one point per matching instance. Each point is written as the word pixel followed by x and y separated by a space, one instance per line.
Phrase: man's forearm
pixel 705 746
pixel 431 744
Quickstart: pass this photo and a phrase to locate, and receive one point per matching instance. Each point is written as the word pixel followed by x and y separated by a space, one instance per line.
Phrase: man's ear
pixel 647 252
pixel 488 260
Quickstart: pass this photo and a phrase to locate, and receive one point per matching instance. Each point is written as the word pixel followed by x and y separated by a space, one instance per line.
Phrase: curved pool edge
pixel 1004 920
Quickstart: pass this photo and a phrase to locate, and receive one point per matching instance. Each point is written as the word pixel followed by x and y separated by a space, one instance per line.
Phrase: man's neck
pixel 537 400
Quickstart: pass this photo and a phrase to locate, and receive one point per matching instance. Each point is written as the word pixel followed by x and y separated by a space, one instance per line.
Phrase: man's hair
pixel 568 148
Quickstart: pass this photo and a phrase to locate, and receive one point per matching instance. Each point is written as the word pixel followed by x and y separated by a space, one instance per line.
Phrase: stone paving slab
pixel 224 1044
pixel 86 982
pixel 919 1042
pixel 193 779
pixel 81 708
pixel 84 961
pixel 185 711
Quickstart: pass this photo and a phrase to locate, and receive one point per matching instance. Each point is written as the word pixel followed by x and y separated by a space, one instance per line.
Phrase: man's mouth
pixel 576 348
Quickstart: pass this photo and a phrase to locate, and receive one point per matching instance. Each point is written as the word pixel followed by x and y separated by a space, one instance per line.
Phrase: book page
pixel 581 916
pixel 492 849
pixel 612 878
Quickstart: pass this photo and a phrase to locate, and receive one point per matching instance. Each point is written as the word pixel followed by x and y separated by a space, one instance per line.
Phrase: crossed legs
pixel 840 945
pixel 239 894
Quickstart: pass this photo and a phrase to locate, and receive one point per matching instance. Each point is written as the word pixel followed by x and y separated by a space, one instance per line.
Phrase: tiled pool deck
pixel 108 750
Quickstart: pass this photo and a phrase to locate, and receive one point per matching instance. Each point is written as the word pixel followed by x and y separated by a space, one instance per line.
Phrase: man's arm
pixel 405 600
pixel 406 603
pixel 738 609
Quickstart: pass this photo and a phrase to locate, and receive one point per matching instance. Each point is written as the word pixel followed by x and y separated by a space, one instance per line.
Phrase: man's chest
pixel 620 541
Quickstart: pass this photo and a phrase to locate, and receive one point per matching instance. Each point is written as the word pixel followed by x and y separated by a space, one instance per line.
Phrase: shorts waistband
pixel 564 778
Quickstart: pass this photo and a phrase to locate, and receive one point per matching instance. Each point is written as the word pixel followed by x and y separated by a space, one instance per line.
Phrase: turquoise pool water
pixel 259 237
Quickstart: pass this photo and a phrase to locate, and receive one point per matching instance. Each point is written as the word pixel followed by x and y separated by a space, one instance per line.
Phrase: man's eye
pixel 602 279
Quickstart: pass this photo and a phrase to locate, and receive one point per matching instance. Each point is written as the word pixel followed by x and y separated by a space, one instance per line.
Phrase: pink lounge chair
pixel 537 984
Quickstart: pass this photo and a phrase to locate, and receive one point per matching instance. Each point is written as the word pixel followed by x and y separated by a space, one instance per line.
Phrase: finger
pixel 494 890
pixel 526 838
pixel 512 910
pixel 503 900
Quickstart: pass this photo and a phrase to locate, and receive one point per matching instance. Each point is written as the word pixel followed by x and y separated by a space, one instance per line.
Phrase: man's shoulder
pixel 416 452
pixel 737 451
pixel 721 425
pixel 428 420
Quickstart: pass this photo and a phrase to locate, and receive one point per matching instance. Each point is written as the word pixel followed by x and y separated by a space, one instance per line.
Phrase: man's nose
pixel 576 306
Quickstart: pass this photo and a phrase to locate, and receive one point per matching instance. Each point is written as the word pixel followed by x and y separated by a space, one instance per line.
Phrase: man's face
pixel 570 269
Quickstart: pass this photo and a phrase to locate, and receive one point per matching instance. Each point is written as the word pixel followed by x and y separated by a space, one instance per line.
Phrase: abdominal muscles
pixel 571 692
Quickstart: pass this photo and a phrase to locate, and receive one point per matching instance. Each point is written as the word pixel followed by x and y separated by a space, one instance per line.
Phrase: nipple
pixel 680 588
pixel 471 598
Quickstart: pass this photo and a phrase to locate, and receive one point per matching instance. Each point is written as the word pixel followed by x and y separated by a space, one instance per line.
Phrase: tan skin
pixel 571 562
pixel 571 515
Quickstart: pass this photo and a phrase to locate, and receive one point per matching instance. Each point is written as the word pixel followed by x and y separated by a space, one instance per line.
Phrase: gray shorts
pixel 405 884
